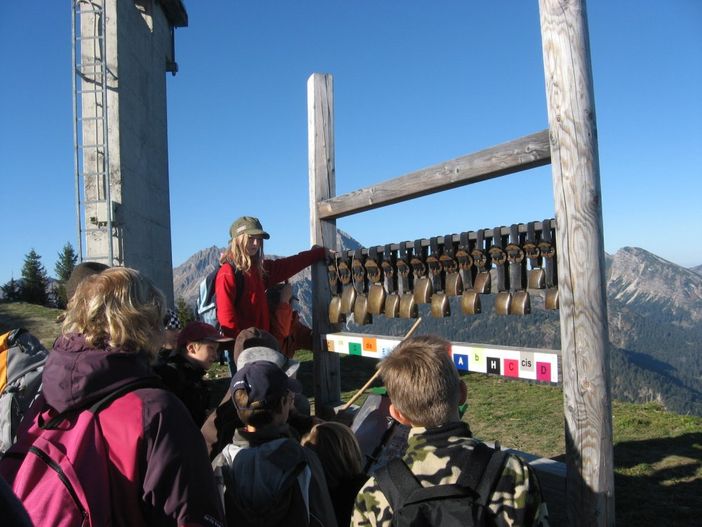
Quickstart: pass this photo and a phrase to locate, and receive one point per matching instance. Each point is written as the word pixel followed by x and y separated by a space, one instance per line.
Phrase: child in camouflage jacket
pixel 425 392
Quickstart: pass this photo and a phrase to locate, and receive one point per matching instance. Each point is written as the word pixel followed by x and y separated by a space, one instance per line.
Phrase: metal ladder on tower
pixel 94 207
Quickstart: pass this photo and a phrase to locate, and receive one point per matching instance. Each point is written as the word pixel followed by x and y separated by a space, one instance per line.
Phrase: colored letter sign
pixel 461 361
pixel 543 371
pixel 369 345
pixel 511 368
pixel 354 348
pixel 330 345
pixel 493 365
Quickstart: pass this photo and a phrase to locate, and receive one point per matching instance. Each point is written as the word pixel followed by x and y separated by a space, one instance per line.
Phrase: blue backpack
pixel 206 301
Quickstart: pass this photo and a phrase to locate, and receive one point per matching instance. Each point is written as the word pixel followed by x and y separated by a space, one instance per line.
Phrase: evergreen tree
pixel 11 291
pixel 34 280
pixel 67 260
pixel 65 264
pixel 185 314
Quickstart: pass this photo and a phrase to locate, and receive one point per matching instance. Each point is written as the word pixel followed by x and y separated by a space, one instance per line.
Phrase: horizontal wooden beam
pixel 521 154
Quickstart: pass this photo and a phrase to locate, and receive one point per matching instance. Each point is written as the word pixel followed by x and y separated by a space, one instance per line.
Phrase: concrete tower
pixel 123 50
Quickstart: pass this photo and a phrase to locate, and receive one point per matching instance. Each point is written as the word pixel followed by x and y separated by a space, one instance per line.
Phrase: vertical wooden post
pixel 322 185
pixel 581 279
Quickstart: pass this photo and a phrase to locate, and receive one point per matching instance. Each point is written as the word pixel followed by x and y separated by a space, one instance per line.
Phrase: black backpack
pixel 464 503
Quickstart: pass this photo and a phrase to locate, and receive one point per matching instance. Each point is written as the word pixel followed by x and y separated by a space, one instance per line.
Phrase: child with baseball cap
pixel 266 477
pixel 183 371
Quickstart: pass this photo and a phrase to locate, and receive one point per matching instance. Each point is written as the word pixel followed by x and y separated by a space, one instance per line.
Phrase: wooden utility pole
pixel 581 277
pixel 322 185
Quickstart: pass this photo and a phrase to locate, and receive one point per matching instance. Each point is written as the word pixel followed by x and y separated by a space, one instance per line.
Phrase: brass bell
pixel 348 299
pixel 483 282
pixel 360 311
pixel 503 301
pixel 392 305
pixel 335 314
pixel 537 279
pixel 440 306
pixel 454 284
pixel 551 301
pixel 422 290
pixel 376 298
pixel 470 302
pixel 521 304
pixel 408 307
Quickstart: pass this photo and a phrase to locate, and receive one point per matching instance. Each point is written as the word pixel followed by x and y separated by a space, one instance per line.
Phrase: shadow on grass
pixel 659 479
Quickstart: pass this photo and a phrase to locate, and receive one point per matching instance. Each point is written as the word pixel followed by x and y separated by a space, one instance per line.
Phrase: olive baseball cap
pixel 247 225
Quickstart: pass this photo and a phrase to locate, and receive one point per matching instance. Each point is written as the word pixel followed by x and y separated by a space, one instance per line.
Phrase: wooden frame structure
pixel 570 146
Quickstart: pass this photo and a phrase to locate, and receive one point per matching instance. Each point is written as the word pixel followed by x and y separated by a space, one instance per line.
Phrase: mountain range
pixel 654 311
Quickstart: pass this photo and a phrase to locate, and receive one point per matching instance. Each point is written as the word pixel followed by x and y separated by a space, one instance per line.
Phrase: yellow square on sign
pixel 330 345
pixel 370 344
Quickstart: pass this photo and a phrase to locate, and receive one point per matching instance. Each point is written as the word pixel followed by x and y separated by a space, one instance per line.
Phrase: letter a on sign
pixel 461 361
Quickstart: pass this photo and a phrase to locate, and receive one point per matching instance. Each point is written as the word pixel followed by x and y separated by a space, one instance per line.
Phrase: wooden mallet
pixel 377 373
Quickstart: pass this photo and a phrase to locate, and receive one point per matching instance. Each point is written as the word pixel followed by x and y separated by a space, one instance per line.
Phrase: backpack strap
pixel 104 402
pixel 239 280
pixel 488 480
pixel 397 482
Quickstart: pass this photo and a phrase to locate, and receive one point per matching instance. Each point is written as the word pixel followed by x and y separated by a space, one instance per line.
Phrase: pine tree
pixel 65 264
pixel 67 260
pixel 11 291
pixel 34 280
pixel 185 314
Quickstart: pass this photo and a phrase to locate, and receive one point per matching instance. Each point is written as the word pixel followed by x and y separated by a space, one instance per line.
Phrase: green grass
pixel 657 454
pixel 40 321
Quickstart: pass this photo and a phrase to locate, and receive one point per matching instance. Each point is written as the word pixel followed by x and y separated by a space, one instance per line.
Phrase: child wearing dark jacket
pixel 185 367
pixel 266 477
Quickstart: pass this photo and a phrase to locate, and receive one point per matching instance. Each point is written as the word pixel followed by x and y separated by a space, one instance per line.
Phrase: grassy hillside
pixel 657 454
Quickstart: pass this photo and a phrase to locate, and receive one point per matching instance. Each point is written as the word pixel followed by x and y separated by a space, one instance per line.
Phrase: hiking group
pixel 113 426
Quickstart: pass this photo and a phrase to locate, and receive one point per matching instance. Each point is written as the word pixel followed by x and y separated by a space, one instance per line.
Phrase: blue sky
pixel 416 83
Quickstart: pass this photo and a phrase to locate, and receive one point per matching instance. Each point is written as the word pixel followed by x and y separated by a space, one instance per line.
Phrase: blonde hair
pixel 236 253
pixel 118 307
pixel 338 450
pixel 422 381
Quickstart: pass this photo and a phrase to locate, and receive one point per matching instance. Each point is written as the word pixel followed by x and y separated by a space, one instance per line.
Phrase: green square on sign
pixel 354 348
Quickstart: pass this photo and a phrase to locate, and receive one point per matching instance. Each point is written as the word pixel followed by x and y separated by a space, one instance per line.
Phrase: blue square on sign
pixel 461 361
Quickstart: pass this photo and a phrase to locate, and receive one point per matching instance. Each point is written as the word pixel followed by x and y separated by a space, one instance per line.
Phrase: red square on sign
pixel 543 371
pixel 511 368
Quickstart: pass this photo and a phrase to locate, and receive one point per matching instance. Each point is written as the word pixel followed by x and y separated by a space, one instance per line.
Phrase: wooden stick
pixel 377 373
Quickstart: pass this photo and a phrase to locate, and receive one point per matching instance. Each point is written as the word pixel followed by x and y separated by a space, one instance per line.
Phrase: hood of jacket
pixel 77 374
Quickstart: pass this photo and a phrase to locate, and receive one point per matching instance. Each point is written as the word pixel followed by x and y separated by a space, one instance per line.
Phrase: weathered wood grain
pixel 521 154
pixel 581 280
pixel 322 185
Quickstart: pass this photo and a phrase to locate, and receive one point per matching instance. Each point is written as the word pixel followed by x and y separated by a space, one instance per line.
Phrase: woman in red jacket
pixel 237 310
